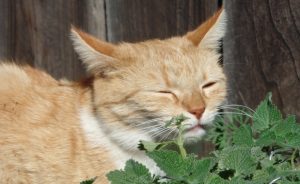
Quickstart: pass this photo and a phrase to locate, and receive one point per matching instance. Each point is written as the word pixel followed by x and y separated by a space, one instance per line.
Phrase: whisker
pixel 158 133
pixel 143 128
pixel 167 135
pixel 148 121
pixel 237 108
pixel 237 105
pixel 224 113
pixel 162 130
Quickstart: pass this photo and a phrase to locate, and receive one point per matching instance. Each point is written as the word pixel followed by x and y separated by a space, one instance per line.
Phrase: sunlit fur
pixel 65 132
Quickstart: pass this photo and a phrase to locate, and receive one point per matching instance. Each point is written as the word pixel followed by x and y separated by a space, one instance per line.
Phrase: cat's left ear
pixel 96 54
pixel 208 34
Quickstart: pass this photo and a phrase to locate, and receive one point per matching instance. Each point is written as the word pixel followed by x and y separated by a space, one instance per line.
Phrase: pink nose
pixel 197 112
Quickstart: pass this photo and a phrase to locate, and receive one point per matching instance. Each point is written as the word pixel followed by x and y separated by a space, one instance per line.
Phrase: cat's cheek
pixel 208 117
pixel 217 93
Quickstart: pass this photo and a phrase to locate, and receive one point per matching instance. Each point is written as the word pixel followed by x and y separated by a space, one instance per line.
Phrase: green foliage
pixel 253 147
pixel 90 181
pixel 134 173
pixel 180 169
pixel 266 115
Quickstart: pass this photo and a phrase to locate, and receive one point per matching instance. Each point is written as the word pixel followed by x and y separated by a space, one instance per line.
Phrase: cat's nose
pixel 197 112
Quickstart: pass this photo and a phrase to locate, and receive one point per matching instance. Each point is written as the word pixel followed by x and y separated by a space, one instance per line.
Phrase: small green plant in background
pixel 90 181
pixel 252 147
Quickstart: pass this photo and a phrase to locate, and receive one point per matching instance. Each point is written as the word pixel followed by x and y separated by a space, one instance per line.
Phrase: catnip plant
pixel 252 147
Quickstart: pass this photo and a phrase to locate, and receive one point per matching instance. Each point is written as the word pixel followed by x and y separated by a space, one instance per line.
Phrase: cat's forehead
pixel 175 52
pixel 172 62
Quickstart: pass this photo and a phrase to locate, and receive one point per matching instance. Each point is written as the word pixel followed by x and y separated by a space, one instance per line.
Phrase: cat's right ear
pixel 95 54
pixel 208 34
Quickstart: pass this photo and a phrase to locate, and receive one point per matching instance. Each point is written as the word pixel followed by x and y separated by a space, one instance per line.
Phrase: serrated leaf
pixel 134 173
pixel 286 126
pixel 189 169
pixel 170 162
pixel 148 145
pixel 266 138
pixel 243 136
pixel 257 154
pixel 215 179
pixel 262 176
pixel 239 180
pixel 238 159
pixel 199 170
pixel 177 120
pixel 266 114
pixel 292 140
pixel 89 181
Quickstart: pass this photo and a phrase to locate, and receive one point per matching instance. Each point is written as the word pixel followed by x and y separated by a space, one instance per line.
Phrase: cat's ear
pixel 208 34
pixel 95 54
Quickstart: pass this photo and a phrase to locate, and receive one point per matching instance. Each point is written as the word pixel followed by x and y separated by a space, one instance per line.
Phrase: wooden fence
pixel 36 32
pixel 262 52
pixel 261 48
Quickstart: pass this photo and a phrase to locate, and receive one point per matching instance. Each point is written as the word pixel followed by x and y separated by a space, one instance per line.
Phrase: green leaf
pixel 189 169
pixel 177 120
pixel 215 179
pixel 170 162
pixel 257 154
pixel 149 146
pixel 292 140
pixel 90 181
pixel 286 126
pixel 266 138
pixel 134 173
pixel 261 176
pixel 245 155
pixel 266 114
pixel 237 158
pixel 198 170
pixel 243 136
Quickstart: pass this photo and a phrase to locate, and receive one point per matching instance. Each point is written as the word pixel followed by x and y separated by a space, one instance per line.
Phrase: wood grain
pixel 136 20
pixel 36 32
pixel 262 52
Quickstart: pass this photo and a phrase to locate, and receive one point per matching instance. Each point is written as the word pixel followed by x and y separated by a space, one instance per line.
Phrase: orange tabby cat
pixel 65 132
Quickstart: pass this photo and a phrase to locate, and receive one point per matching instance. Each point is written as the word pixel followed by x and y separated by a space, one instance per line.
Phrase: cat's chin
pixel 193 134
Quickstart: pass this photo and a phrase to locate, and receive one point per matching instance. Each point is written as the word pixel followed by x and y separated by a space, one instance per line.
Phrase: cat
pixel 65 132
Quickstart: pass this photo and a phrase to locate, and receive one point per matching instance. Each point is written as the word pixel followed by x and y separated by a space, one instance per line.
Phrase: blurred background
pixel 261 49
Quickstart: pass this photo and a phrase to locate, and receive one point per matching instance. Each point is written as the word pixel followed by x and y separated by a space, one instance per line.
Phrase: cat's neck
pixel 100 133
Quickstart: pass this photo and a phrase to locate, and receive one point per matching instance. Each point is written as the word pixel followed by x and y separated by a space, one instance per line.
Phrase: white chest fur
pixel 97 138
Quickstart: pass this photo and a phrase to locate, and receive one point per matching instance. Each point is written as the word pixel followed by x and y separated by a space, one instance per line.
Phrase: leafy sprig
pixel 262 149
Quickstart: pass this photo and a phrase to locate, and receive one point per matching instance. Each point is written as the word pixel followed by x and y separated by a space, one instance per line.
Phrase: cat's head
pixel 139 86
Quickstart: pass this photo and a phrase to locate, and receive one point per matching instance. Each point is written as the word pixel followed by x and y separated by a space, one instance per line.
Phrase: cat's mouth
pixel 195 128
pixel 194 132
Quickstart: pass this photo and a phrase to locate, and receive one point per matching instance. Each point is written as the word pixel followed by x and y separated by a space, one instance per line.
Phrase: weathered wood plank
pixel 6 22
pixel 136 20
pixel 37 32
pixel 262 52
pixel 93 21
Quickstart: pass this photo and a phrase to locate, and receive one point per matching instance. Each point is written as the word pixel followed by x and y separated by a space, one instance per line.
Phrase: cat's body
pixel 44 124
pixel 65 132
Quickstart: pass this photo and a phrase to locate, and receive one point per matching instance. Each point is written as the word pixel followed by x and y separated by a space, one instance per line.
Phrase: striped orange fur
pixel 64 132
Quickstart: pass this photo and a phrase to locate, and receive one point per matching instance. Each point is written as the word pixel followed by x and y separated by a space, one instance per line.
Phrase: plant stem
pixel 179 142
pixel 166 143
pixel 293 158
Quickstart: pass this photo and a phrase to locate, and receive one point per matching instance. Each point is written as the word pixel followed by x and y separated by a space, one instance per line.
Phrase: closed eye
pixel 209 84
pixel 166 92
